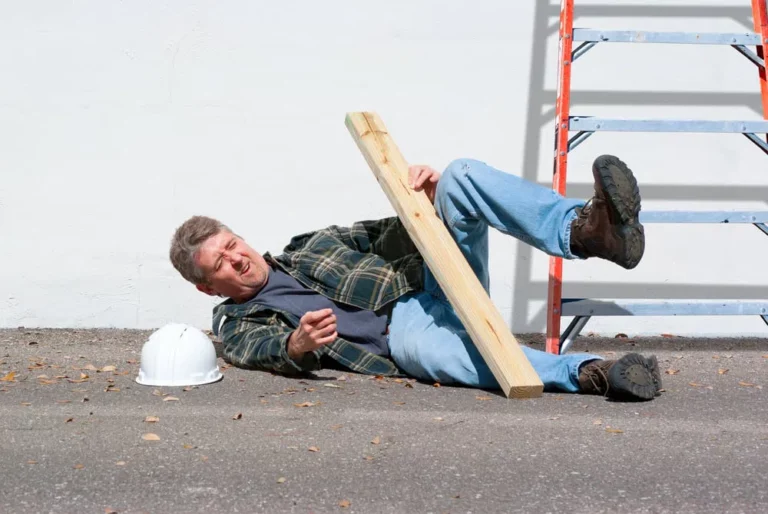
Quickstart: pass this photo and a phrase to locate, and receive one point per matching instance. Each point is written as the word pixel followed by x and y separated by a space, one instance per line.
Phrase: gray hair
pixel 187 241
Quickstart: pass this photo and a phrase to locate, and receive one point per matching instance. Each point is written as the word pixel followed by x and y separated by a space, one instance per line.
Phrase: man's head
pixel 218 262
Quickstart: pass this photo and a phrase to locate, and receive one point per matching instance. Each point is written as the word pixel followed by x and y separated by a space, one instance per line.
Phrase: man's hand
pixel 423 177
pixel 316 328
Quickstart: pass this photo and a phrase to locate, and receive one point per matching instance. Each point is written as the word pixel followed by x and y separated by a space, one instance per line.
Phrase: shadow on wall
pixel 541 111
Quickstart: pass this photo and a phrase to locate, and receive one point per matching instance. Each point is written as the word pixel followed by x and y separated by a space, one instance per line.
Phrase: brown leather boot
pixel 633 377
pixel 608 225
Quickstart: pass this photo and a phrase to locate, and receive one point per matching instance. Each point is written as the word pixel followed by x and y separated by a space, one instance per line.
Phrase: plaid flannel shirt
pixel 367 265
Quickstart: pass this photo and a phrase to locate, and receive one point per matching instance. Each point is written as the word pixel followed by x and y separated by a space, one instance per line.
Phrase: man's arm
pixel 388 237
pixel 253 345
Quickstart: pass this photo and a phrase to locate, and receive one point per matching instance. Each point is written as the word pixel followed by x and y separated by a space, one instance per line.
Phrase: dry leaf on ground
pixel 747 384
pixel 305 404
pixel 151 419
pixel 672 371
pixel 483 398
pixel 368 457
pixel 722 371
pixel 69 420
pixel 26 404
pixel 281 480
pixel 90 367
pixel 336 427
pixel 332 385
pixel 344 504
pixel 614 430
pixel 108 368
pixel 151 437
pixel 78 466
pixel 597 422
pixel 120 463
pixel 170 399
pixel 376 440
pixel 313 449
pixel 239 415
pixel 31 462
pixel 9 377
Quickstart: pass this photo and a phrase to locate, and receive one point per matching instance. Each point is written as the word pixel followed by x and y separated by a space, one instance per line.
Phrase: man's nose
pixel 235 259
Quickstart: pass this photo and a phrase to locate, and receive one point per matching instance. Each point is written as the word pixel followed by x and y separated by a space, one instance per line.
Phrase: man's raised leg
pixel 426 338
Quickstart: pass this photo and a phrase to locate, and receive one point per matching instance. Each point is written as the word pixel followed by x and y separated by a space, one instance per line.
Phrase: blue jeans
pixel 426 337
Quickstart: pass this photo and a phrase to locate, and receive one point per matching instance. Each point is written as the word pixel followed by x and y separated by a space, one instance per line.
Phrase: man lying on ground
pixel 361 298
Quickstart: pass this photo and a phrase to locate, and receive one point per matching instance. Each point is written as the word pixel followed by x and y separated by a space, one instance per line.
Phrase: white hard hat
pixel 178 355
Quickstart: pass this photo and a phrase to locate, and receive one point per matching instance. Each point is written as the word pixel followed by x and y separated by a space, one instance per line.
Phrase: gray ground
pixel 382 445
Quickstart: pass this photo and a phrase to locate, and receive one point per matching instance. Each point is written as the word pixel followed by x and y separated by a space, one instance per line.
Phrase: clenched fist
pixel 316 328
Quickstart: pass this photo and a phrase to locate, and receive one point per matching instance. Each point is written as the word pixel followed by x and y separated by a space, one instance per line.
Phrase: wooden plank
pixel 479 315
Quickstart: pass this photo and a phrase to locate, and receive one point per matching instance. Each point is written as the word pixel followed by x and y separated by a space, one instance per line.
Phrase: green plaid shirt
pixel 367 265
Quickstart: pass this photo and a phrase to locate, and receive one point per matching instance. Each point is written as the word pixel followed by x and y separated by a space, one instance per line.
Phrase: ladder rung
pixel 704 217
pixel 688 38
pixel 592 124
pixel 587 307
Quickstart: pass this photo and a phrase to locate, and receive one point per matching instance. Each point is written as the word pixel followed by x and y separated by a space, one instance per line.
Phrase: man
pixel 362 299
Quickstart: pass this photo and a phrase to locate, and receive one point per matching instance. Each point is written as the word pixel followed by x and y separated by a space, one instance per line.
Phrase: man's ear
pixel 206 289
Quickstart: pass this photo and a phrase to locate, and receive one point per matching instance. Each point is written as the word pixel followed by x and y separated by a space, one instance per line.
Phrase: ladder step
pixel 592 124
pixel 588 307
pixel 704 217
pixel 687 38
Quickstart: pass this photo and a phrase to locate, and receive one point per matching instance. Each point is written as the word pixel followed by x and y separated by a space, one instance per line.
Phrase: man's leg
pixel 471 196
pixel 427 340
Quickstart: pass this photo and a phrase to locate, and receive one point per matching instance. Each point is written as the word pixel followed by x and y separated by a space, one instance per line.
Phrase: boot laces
pixel 584 213
pixel 598 377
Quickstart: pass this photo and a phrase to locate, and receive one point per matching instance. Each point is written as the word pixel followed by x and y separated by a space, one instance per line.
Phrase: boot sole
pixel 652 363
pixel 623 197
pixel 631 379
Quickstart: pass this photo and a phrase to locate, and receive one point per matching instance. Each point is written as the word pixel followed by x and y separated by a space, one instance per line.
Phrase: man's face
pixel 233 269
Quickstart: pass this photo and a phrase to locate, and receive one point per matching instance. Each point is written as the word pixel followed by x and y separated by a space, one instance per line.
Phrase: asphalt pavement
pixel 79 435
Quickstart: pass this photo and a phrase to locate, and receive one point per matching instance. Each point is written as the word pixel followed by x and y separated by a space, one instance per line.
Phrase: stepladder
pixel 571 131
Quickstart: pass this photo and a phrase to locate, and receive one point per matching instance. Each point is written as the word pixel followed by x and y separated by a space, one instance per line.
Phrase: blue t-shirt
pixel 362 327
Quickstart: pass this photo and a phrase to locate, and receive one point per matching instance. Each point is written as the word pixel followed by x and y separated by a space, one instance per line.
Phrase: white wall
pixel 118 120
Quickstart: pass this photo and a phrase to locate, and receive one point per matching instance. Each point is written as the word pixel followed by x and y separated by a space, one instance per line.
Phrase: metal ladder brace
pixel 583 309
